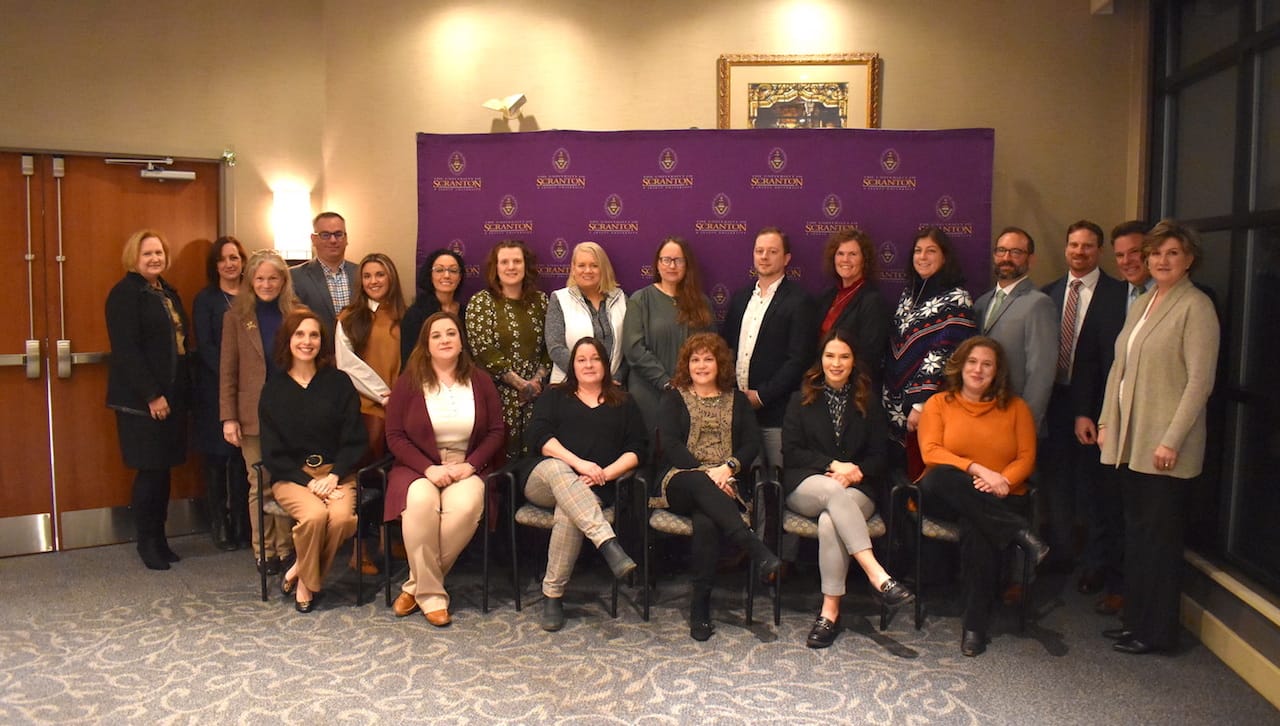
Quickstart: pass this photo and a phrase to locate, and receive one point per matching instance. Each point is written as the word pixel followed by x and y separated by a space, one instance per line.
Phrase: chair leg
pixel 751 590
pixel 515 559
pixel 644 586
pixel 359 552
pixel 1026 590
pixel 386 560
pixel 484 568
pixel 262 535
pixel 919 569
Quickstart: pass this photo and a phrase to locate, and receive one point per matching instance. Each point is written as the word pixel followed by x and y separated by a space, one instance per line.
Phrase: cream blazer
pixel 1165 377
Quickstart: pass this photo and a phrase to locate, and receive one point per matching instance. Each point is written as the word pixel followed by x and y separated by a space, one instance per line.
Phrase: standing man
pixel 1022 320
pixel 1100 500
pixel 1081 294
pixel 770 328
pixel 326 283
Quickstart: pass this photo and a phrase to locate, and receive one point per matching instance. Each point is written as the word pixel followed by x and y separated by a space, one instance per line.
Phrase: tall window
pixel 1216 164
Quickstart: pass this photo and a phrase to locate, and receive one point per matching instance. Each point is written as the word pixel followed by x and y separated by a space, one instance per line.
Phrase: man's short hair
pixel 1086 224
pixel 1133 226
pixel 1031 241
pixel 786 241
pixel 327 215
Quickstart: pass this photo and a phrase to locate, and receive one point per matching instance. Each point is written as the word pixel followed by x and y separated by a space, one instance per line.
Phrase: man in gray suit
pixel 327 283
pixel 1022 320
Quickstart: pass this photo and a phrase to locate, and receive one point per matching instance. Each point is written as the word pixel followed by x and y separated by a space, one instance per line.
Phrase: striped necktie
pixel 1067 336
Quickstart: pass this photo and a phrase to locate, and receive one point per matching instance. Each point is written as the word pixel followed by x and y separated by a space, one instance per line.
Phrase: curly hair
pixel 815 379
pixel 711 343
pixel 865 246
pixel 999 391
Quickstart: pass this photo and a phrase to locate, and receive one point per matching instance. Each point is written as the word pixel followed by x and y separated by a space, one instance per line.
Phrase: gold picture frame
pixel 798 91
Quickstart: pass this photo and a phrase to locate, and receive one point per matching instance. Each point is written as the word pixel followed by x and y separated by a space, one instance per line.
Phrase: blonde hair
pixel 608 281
pixel 245 302
pixel 133 248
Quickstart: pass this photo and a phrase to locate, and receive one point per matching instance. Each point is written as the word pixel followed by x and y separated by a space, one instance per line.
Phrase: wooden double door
pixel 64 220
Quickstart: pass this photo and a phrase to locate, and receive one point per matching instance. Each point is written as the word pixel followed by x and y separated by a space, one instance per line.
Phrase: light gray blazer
pixel 1159 387
pixel 1026 326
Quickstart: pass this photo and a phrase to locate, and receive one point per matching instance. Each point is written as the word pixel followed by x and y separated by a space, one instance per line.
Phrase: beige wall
pixel 331 93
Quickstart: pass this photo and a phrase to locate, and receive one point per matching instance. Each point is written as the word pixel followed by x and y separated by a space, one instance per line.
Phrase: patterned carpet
pixel 91 637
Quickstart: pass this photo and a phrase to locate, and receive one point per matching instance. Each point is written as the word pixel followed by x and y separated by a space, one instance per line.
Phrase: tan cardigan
pixel 242 370
pixel 1167 374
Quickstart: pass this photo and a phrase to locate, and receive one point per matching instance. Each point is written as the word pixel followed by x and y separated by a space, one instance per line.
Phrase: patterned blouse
pixel 507 335
pixel 710 431
pixel 924 334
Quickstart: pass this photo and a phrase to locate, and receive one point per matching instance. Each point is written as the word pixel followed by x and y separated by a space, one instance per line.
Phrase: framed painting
pixel 798 91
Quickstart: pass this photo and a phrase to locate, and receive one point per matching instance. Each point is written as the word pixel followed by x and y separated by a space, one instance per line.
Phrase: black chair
pixel 492 481
pixel 365 498
pixel 531 515
pixel 667 522
pixel 807 527
pixel 943 531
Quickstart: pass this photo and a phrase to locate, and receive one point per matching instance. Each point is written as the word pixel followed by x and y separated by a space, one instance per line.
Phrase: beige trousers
pixel 321 527
pixel 277 539
pixel 438 524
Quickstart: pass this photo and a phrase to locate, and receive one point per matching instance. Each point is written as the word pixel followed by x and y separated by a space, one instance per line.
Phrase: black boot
pixel 619 562
pixel 150 553
pixel 162 545
pixel 764 558
pixel 216 498
pixel 700 626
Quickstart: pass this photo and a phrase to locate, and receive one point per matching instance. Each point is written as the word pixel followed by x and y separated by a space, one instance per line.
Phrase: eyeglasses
pixel 446 271
pixel 326 236
pixel 1006 252
pixel 671 261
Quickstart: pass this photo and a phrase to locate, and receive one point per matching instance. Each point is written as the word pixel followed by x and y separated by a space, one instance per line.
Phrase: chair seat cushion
pixel 667 521
pixel 803 526
pixel 939 529
pixel 531 515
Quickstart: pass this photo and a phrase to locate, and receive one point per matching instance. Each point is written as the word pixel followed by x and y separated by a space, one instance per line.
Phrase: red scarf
pixel 843 296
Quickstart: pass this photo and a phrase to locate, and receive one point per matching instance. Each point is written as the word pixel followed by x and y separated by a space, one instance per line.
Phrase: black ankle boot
pixel 767 562
pixel 215 489
pixel 151 555
pixel 700 626
pixel 619 562
pixel 162 544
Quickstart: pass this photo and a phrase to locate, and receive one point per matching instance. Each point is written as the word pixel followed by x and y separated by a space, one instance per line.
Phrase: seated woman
pixel 706 433
pixel 590 433
pixel 444 427
pixel 312 438
pixel 834 435
pixel 978 442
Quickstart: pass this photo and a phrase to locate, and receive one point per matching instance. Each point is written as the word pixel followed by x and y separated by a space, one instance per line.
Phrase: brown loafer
pixel 405 604
pixel 439 618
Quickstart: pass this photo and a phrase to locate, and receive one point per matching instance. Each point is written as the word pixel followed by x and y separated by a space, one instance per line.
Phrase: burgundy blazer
pixel 412 439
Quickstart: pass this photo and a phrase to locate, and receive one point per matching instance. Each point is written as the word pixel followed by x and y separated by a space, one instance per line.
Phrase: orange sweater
pixel 959 432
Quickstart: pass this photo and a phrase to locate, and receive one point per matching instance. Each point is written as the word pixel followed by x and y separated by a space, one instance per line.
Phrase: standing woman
pixel 707 433
pixel 248 334
pixel 589 433
pixel 659 319
pixel 368 342
pixel 1152 429
pixel 505 330
pixel 835 436
pixel 226 486
pixel 590 306
pixel 444 426
pixel 147 385
pixel 438 283
pixel 312 441
pixel 854 305
pixel 935 313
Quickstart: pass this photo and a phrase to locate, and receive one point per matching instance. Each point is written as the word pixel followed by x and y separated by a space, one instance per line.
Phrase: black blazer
pixel 810 442
pixel 144 353
pixel 866 320
pixel 784 347
pixel 1095 348
pixel 672 439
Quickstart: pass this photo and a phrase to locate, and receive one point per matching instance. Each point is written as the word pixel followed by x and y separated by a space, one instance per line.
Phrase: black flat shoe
pixel 1117 634
pixel 305 606
pixel 893 594
pixel 273 565
pixel 287 586
pixel 1133 646
pixel 701 630
pixel 973 643
pixel 823 634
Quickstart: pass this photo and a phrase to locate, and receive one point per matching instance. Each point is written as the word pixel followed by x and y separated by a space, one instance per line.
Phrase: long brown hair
pixel 357 318
pixel 418 367
pixel 691 304
pixel 611 394
pixel 529 288
pixel 815 379
pixel 713 344
pixel 999 391
pixel 280 351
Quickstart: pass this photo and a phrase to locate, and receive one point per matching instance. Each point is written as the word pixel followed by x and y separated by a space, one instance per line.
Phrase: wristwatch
pixel 733 464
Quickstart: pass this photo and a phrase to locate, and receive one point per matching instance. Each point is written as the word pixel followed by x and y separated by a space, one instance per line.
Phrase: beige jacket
pixel 242 371
pixel 1165 377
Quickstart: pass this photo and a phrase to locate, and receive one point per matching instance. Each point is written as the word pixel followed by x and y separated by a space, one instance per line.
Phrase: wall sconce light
pixel 509 107
pixel 291 221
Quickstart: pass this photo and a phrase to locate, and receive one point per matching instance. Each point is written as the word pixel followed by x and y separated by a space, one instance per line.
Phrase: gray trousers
pixel 842 525
pixel 553 483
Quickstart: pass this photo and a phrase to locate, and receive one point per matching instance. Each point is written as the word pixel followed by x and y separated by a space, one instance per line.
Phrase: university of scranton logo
pixel 945 207
pixel 559 180
pixel 559 248
pixel 888 253
pixel 776 161
pixel 613 225
pixel 507 207
pixel 646 272
pixel 667 159
pixel 720 295
pixel 667 162
pixel 891 163
pixel 831 207
pixel 456 246
pixel 720 206
pixel 457 163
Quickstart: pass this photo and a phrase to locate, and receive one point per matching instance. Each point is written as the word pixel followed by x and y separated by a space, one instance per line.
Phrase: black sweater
pixel 809 442
pixel 323 418
pixel 599 434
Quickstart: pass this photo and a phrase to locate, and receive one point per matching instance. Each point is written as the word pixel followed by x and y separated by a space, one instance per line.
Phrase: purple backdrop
pixel 716 188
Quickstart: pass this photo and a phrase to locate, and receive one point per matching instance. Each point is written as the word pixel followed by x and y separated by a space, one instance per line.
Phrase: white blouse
pixel 453 414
